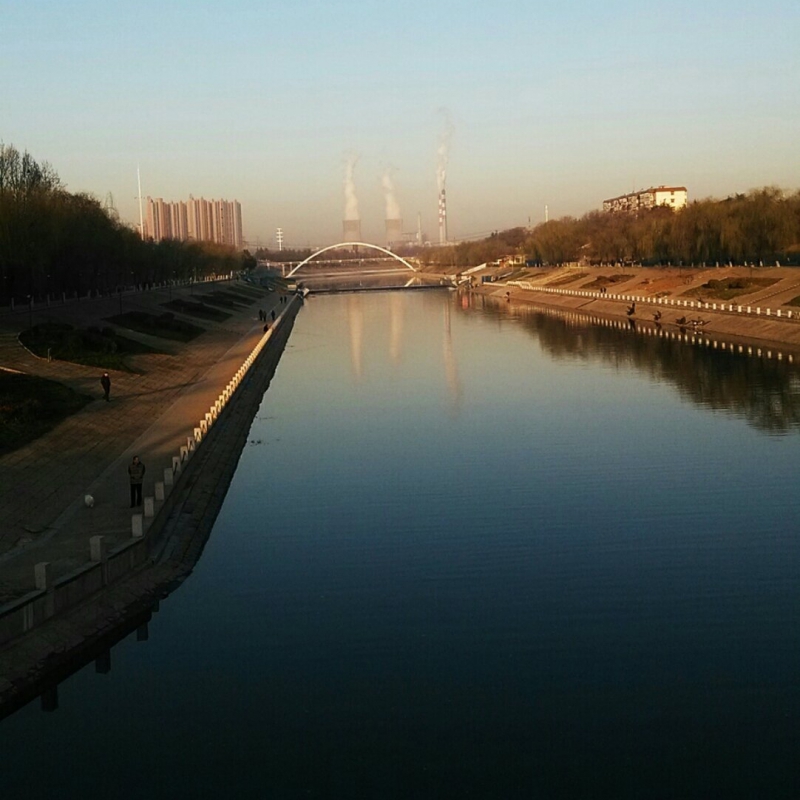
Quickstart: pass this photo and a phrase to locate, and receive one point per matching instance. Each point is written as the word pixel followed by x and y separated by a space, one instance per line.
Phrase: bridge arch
pixel 352 244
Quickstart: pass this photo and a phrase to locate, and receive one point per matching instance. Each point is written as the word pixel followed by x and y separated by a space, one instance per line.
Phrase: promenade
pixel 43 516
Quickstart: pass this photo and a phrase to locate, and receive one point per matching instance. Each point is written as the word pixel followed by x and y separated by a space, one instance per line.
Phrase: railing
pixel 734 308
pixel 51 597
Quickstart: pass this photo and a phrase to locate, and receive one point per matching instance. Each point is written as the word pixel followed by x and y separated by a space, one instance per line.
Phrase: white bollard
pixel 149 507
pixel 137 526
pixel 184 453
pixel 168 479
pixel 159 490
pixel 176 465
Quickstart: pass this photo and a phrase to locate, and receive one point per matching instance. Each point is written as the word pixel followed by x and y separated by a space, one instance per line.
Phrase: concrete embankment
pixel 56 628
pixel 674 299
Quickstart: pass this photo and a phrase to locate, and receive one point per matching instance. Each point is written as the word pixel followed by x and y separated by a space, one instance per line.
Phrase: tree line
pixel 53 241
pixel 762 226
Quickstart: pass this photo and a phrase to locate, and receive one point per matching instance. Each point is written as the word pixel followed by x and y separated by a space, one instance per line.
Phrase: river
pixel 471 550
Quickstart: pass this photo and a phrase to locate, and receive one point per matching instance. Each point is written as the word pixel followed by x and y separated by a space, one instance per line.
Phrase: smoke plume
pixel 350 198
pixel 443 151
pixel 392 206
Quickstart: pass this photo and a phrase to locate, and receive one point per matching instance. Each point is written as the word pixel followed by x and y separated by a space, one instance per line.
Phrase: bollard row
pixel 579 318
pixel 659 301
pixel 139 522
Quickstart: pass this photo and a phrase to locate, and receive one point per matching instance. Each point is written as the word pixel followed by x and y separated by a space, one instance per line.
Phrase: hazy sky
pixel 564 103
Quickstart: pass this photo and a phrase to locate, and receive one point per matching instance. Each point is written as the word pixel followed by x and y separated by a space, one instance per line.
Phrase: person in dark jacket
pixel 136 472
pixel 105 382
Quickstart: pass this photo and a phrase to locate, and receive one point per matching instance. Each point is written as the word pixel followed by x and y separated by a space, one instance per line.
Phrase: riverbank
pixel 761 314
pixel 152 564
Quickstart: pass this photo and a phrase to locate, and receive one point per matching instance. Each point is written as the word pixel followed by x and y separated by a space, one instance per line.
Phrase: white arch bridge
pixel 352 244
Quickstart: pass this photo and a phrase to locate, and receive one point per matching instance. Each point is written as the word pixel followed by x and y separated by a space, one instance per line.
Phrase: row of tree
pixel 761 226
pixel 54 242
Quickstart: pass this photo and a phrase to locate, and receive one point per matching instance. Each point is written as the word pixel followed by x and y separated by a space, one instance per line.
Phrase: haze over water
pixel 469 553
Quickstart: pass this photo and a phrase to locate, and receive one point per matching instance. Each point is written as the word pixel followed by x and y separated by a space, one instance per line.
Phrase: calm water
pixel 470 551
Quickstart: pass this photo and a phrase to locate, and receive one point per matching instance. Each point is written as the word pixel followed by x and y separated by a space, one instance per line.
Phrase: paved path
pixel 43 516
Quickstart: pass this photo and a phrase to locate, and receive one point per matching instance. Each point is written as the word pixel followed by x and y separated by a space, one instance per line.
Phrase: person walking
pixel 136 472
pixel 105 382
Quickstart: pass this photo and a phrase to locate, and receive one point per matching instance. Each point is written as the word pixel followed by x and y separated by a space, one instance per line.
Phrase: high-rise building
pixel 197 219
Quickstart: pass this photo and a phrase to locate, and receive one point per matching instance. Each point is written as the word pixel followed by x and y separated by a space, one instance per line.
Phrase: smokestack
pixel 442 217
pixel 442 157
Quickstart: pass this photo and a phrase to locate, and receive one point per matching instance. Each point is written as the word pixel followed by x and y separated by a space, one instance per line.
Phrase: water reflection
pixel 450 365
pixel 355 321
pixel 759 384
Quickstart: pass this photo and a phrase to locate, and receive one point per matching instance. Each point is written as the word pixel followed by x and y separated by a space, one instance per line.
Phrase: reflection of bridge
pixel 351 244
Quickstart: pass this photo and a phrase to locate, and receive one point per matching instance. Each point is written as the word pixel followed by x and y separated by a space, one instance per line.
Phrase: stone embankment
pixel 122 563
pixel 674 299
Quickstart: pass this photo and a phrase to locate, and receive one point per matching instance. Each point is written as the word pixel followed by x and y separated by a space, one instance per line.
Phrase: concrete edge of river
pixel 763 320
pixel 99 604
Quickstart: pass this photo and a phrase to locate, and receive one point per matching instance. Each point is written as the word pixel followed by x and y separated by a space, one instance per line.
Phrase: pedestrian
pixel 136 472
pixel 273 314
pixel 105 382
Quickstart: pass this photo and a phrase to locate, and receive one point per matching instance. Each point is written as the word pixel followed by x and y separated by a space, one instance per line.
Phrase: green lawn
pixel 728 288
pixel 91 346
pixel 31 406
pixel 164 326
pixel 199 310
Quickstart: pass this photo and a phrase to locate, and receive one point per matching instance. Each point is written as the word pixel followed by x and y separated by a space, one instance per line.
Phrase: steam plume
pixel 350 198
pixel 392 206
pixel 443 151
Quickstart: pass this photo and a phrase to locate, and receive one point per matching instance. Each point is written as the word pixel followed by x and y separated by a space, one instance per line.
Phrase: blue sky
pixel 560 104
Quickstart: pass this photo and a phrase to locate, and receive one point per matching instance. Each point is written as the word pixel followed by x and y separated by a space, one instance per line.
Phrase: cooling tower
pixel 394 232
pixel 352 230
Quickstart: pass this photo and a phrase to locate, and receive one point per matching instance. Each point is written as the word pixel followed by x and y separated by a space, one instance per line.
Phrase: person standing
pixel 136 472
pixel 105 382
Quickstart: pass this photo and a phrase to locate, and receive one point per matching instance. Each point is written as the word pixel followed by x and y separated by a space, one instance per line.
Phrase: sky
pixel 558 105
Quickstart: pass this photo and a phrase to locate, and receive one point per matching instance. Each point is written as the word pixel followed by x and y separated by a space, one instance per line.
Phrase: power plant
pixel 394 232
pixel 442 217
pixel 351 229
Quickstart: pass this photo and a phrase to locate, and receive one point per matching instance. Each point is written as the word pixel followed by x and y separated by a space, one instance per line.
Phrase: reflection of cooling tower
pixel 394 231
pixel 352 230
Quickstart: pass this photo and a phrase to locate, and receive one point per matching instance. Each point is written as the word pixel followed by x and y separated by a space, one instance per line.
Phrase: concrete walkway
pixel 43 516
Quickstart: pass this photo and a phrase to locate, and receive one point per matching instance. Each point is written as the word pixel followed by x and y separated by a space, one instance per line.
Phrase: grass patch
pixel 30 406
pixel 567 279
pixel 606 280
pixel 199 310
pixel 90 346
pixel 165 326
pixel 728 288
pixel 226 300
pixel 250 292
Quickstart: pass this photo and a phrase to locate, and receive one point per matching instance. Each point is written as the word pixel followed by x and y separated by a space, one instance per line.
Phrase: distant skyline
pixel 562 105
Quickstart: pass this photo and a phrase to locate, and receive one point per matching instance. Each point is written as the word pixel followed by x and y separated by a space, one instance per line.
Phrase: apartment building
pixel 673 197
pixel 197 219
